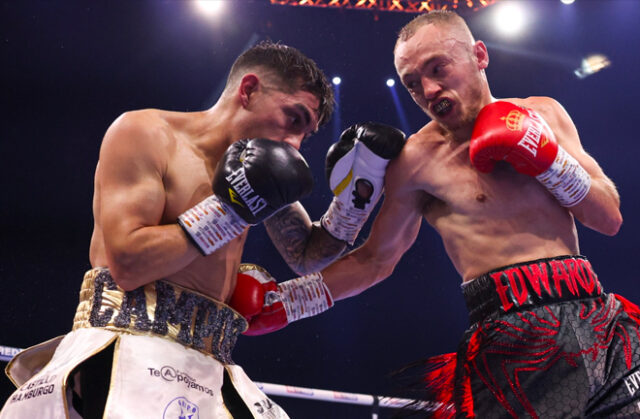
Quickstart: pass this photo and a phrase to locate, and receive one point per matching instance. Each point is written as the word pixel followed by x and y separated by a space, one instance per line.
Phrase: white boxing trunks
pixel 171 358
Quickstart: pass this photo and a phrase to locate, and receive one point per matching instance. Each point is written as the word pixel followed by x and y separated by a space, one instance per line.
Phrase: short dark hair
pixel 294 70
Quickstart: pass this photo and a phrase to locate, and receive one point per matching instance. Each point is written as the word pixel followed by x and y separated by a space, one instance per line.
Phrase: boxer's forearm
pixel 148 254
pixel 356 272
pixel 305 246
pixel 393 232
pixel 600 210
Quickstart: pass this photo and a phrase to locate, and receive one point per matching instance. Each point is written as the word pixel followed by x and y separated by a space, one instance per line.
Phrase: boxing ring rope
pixel 7 353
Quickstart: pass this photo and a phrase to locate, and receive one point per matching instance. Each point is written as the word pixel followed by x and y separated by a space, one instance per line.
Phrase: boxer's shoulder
pixel 141 131
pixel 149 123
pixel 427 147
pixel 543 104
pixel 427 138
pixel 408 171
pixel 554 114
pixel 142 118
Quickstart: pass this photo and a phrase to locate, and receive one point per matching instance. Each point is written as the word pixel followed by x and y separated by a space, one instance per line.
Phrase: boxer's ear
pixel 248 86
pixel 481 54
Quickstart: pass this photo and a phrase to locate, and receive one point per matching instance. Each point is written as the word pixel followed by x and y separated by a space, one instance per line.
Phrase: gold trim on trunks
pixel 159 309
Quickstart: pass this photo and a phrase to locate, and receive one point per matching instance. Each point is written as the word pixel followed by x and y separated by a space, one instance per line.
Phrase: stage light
pixel 510 18
pixel 209 7
pixel 337 114
pixel 402 115
pixel 567 1
pixel 408 6
pixel 592 64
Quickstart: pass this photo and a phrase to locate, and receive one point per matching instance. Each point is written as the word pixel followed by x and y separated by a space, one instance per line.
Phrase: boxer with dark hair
pixel 175 195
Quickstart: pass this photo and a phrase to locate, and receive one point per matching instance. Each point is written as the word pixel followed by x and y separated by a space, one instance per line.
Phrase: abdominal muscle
pixel 501 219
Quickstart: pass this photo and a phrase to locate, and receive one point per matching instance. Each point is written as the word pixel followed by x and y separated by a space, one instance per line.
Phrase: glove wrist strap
pixel 211 224
pixel 566 179
pixel 305 297
pixel 342 221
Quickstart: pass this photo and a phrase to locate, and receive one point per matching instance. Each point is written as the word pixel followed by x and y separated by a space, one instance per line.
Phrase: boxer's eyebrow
pixel 309 121
pixel 305 113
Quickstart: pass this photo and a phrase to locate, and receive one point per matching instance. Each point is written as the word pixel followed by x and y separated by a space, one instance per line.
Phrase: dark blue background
pixel 68 69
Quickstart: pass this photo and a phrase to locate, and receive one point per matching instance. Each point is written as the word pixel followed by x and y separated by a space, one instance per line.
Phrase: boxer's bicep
pixel 397 224
pixel 566 134
pixel 600 210
pixel 131 187
pixel 395 229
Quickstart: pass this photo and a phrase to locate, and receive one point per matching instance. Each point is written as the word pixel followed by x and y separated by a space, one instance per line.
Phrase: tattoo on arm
pixel 306 247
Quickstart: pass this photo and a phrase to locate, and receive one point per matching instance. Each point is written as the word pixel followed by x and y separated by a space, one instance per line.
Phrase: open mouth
pixel 443 107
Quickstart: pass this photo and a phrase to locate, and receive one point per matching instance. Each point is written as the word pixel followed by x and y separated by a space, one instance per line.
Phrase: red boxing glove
pixel 248 296
pixel 504 131
pixel 269 306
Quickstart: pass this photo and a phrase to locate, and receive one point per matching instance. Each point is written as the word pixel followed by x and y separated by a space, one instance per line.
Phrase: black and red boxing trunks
pixel 545 342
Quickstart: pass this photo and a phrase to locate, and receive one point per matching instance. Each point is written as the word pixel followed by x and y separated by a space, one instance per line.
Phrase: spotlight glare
pixel 591 65
pixel 567 1
pixel 209 7
pixel 391 82
pixel 510 18
pixel 336 80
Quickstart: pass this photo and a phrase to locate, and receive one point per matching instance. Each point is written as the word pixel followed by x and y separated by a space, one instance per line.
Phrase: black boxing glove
pixel 355 169
pixel 253 179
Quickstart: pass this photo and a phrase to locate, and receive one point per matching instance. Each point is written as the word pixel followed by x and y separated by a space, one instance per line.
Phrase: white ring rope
pixel 7 353
pixel 351 398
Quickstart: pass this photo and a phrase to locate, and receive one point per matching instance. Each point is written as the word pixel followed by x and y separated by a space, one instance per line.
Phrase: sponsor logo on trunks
pixel 34 388
pixel 168 373
pixel 525 285
pixel 241 187
pixel 633 382
pixel 200 322
pixel 265 408
pixel 181 408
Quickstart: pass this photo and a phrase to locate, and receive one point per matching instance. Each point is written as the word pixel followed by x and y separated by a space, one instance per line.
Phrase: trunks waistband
pixel 530 284
pixel 159 309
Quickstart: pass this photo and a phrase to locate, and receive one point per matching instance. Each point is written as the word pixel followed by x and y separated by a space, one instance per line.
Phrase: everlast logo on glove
pixel 242 188
pixel 534 136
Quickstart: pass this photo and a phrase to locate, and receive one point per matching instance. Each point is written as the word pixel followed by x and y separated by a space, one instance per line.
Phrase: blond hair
pixel 434 17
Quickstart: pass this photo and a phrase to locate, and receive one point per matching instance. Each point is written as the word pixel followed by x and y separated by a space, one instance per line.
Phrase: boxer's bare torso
pixel 485 220
pixel 173 174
